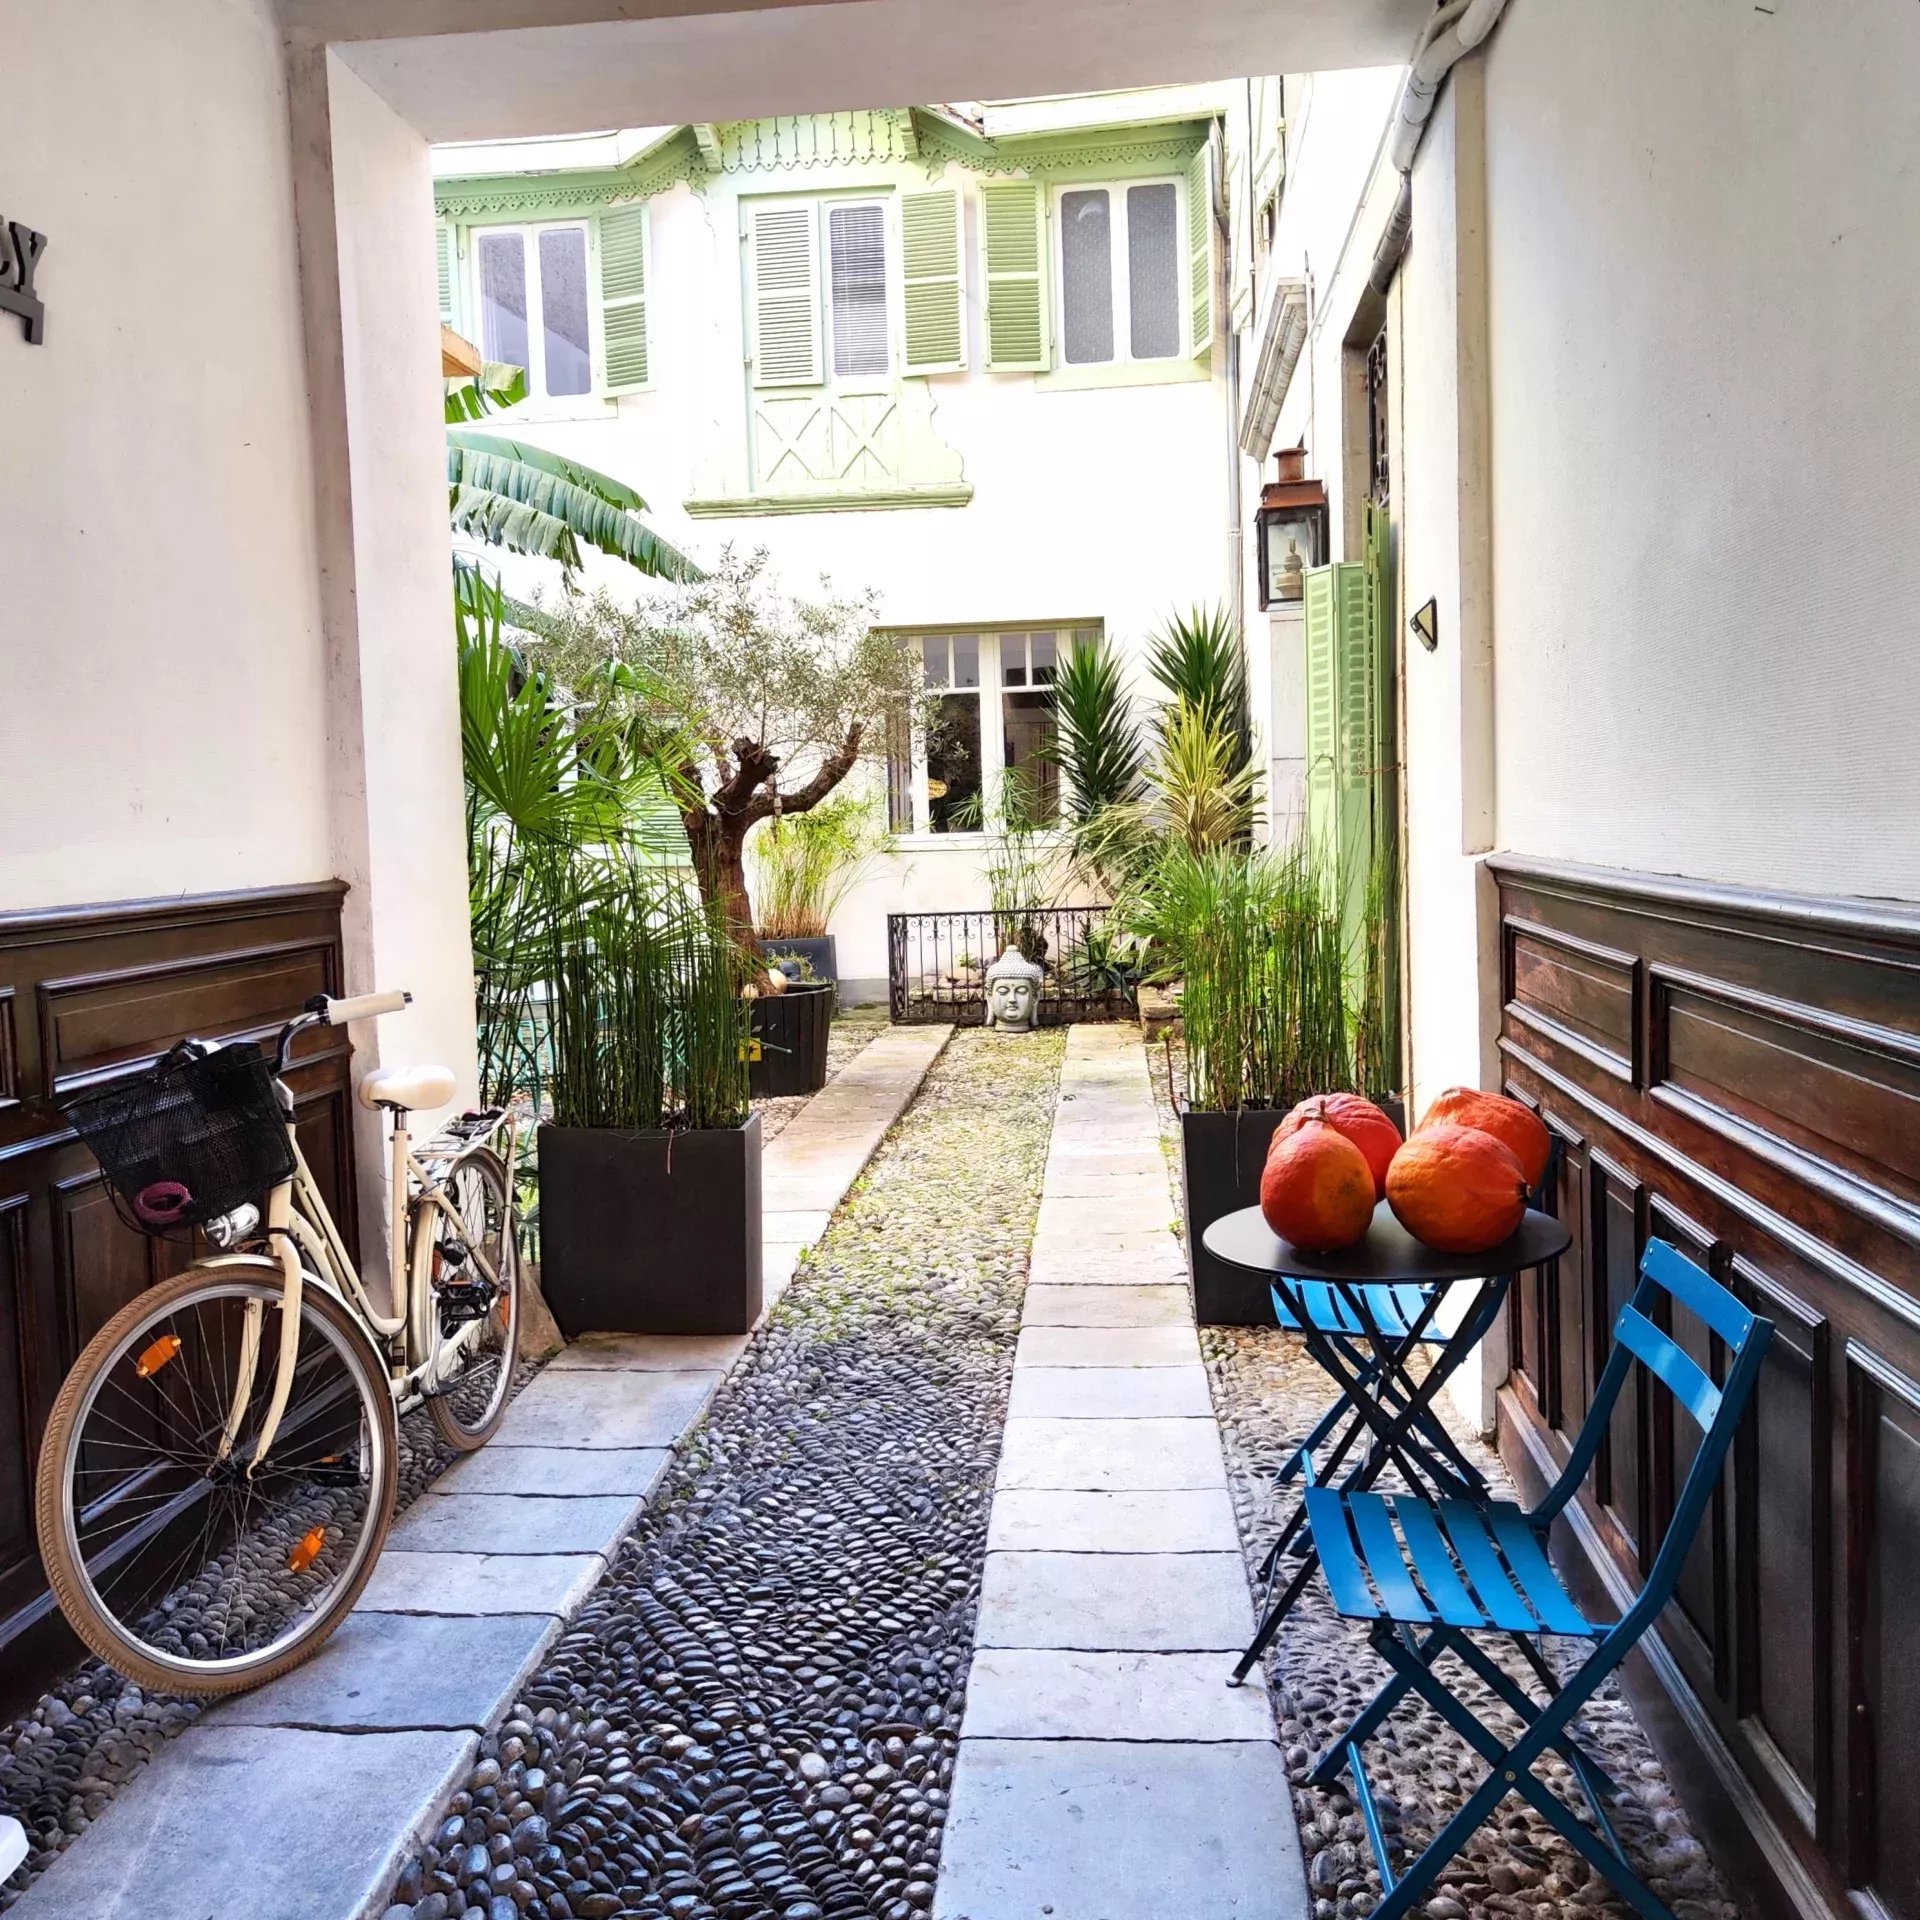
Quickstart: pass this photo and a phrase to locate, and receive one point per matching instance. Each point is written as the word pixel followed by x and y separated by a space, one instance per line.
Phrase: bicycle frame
pixel 307 1247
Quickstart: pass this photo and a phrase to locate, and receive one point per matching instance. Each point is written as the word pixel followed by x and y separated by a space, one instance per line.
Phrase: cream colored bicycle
pixel 218 1475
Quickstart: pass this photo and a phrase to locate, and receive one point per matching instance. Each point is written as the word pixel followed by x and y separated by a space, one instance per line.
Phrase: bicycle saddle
pixel 409 1089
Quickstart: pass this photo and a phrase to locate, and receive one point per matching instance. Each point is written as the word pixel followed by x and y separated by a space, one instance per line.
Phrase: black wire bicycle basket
pixel 195 1136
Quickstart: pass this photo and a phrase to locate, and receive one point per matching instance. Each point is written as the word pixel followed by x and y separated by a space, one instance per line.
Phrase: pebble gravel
pixel 1268 1393
pixel 755 1715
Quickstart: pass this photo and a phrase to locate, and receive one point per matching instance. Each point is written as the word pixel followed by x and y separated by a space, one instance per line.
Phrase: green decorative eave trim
pixel 811 142
pixel 581 190
pixel 867 500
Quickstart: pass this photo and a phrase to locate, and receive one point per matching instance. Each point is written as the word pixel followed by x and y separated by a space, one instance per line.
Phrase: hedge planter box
pixel 792 1029
pixel 651 1232
pixel 816 949
pixel 1221 1157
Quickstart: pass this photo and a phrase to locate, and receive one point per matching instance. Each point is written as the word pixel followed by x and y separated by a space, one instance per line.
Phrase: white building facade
pixel 967 359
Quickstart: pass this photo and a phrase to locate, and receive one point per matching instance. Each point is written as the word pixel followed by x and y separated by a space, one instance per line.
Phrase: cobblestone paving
pixel 847 1039
pixel 757 1712
pixel 1267 1392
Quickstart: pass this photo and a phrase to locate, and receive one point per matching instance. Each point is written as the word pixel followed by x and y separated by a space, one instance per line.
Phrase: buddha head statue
pixel 1013 993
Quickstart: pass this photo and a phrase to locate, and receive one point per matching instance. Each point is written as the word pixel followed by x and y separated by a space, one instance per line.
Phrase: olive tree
pixel 781 696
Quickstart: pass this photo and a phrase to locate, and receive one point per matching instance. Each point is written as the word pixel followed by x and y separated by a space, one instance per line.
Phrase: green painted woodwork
pixel 623 298
pixel 1013 242
pixel 846 500
pixel 783 294
pixel 1200 251
pixel 1318 604
pixel 443 252
pixel 933 316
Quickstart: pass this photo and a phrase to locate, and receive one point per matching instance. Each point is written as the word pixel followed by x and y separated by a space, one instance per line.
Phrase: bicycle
pixel 219 1471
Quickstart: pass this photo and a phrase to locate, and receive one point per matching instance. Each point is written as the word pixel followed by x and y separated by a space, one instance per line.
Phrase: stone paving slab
pixel 401 1670
pixel 521 1523
pixel 1036 1693
pixel 554 1583
pixel 1152 1602
pixel 561 1472
pixel 1042 1346
pixel 258 1823
pixel 1042 1830
pixel 1136 1207
pixel 1077 1179
pixel 793 1226
pixel 1194 1520
pixel 1109 1266
pixel 1109 1393
pixel 652 1352
pixel 586 1408
pixel 1114 1456
pixel 1118 1306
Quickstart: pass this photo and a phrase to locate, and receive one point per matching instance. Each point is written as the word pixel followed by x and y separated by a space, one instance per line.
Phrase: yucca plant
pixel 1098 742
pixel 1197 662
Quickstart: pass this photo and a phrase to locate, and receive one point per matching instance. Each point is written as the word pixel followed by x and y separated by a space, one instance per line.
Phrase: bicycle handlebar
pixel 362 1006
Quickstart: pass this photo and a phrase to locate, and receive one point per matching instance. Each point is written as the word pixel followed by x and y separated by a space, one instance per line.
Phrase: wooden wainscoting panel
pixel 112 988
pixel 1768 1123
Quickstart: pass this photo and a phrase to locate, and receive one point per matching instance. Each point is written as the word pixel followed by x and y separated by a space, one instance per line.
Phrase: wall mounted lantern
pixel 1291 530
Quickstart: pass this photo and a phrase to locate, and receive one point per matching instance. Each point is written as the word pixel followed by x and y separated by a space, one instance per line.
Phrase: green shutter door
pixel 1356 758
pixel 1200 251
pixel 933 323
pixel 783 293
pixel 444 255
pixel 1323 700
pixel 1013 238
pixel 623 298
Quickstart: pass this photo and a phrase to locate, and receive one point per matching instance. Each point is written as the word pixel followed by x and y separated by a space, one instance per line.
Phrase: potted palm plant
pixel 803 865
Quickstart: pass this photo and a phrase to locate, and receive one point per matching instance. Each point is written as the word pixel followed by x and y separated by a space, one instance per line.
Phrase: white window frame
pixel 1116 192
pixel 992 726
pixel 538 399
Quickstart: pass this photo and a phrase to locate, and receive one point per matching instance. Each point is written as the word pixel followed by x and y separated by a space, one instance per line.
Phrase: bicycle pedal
pixel 459 1305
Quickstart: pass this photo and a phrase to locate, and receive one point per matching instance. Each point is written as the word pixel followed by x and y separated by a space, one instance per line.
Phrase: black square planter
pixel 792 1029
pixel 1221 1157
pixel 816 949
pixel 651 1232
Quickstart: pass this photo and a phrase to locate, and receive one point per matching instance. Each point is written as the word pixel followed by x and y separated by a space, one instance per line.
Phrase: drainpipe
pixel 1450 36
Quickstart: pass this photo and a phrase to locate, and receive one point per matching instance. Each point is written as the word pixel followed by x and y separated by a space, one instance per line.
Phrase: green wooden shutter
pixel 1323 702
pixel 444 256
pixel 933 324
pixel 1357 756
pixel 783 282
pixel 1013 238
pixel 623 298
pixel 1200 250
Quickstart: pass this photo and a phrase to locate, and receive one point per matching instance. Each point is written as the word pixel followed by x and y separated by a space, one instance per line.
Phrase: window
pixel 1121 264
pixel 533 306
pixel 857 288
pixel 991 716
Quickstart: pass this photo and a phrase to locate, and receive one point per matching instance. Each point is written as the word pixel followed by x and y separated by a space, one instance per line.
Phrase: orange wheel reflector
pixel 157 1355
pixel 308 1551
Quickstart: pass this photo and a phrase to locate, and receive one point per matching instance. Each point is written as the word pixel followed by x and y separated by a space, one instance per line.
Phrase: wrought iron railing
pixel 937 964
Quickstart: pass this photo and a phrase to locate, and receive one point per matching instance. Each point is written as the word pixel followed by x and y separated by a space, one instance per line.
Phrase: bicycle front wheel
pixel 183 1557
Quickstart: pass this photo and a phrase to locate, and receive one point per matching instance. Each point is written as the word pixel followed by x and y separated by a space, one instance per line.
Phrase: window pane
pixel 933 659
pixel 563 309
pixel 1153 272
pixel 953 763
pixel 1044 655
pixel 1013 659
pixel 966 659
pixel 857 271
pixel 503 298
pixel 899 774
pixel 1086 275
pixel 1028 732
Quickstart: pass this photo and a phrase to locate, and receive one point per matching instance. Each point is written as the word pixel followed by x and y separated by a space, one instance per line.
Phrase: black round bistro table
pixel 1363 1314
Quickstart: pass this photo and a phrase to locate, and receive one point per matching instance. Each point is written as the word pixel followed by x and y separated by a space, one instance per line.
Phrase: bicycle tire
pixel 61 1553
pixel 467 1437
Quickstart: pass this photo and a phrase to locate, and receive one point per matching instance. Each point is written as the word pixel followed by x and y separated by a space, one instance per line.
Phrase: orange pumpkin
pixel 1357 1120
pixel 1519 1129
pixel 1316 1189
pixel 1456 1189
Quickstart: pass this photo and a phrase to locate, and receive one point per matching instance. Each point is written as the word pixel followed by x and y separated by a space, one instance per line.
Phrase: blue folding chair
pixel 1458 1566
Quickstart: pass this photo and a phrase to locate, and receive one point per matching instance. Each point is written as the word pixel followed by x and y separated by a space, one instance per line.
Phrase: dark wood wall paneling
pixel 1739 1073
pixel 84 995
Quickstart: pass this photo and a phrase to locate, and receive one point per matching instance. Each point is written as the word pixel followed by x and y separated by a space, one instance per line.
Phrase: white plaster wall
pixel 160 632
pixel 1706 438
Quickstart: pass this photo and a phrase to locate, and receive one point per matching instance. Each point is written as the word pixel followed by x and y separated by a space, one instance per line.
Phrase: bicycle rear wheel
pixel 180 1557
pixel 475 1276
